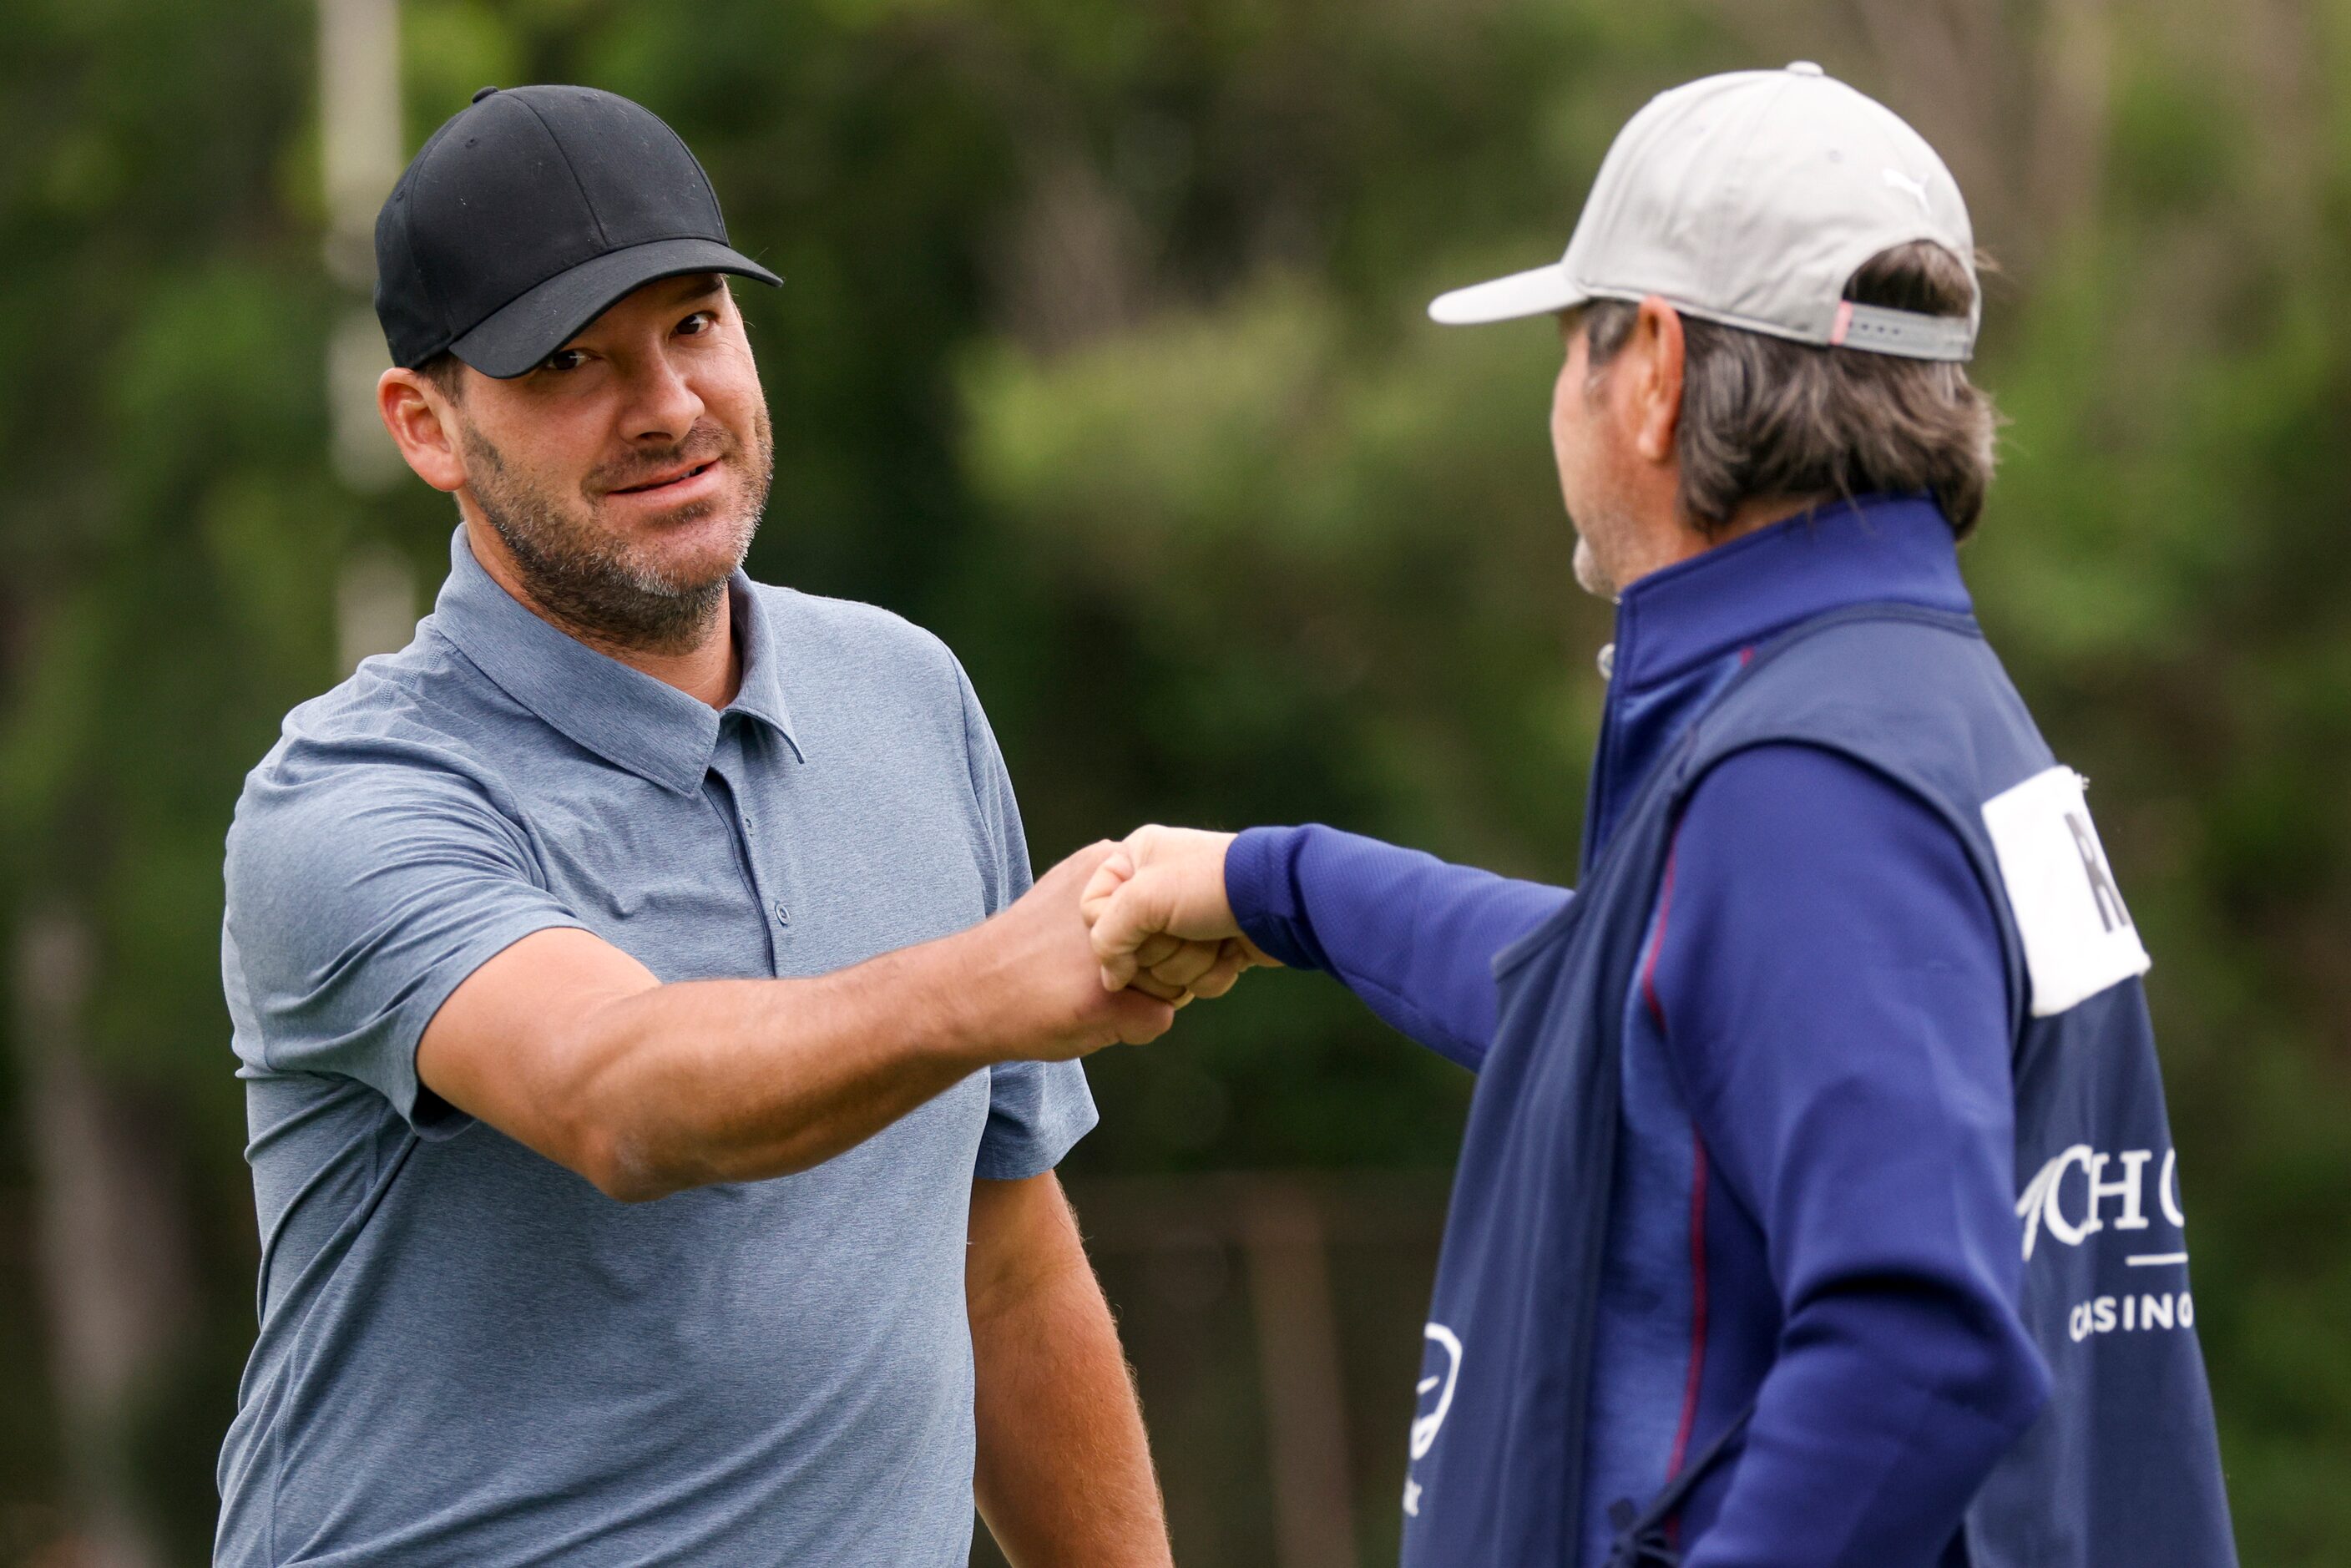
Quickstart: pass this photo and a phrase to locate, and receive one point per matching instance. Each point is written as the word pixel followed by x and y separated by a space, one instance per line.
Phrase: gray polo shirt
pixel 469 1356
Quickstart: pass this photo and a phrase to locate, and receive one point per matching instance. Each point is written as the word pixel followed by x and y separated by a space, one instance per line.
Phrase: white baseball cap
pixel 1751 199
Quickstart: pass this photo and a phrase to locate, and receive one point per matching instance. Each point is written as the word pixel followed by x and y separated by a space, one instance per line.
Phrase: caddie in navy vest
pixel 1818 1204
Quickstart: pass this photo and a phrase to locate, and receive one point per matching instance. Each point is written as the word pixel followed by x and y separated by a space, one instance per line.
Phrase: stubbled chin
pixel 1590 575
pixel 701 544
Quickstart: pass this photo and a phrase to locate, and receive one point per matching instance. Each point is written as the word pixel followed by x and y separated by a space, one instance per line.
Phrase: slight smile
pixel 685 484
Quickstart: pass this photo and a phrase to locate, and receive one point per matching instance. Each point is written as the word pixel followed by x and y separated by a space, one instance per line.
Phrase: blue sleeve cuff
pixel 1263 894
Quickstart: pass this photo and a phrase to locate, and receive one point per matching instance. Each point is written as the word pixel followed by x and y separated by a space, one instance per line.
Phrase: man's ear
pixel 1657 410
pixel 423 425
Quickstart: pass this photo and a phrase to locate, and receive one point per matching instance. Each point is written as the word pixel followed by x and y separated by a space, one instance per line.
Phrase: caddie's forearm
pixel 1414 936
pixel 725 1080
pixel 1871 1438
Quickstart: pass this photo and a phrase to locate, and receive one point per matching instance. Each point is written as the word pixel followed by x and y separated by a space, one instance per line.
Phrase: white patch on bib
pixel 2078 936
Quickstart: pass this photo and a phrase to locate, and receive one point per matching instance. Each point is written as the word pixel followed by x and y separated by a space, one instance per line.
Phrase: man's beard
pixel 595 584
pixel 1601 533
pixel 1608 533
pixel 1590 575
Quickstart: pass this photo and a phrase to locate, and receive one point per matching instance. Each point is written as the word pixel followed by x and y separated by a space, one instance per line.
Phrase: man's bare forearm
pixel 1063 1473
pixel 717 1081
pixel 571 1046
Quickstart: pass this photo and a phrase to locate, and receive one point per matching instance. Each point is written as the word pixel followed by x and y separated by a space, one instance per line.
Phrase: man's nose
pixel 663 404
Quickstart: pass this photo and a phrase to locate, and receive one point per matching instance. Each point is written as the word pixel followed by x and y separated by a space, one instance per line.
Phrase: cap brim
pixel 519 334
pixel 1539 292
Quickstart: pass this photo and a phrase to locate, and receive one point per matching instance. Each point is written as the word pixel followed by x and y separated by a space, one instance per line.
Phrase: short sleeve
pixel 1035 1109
pixel 361 894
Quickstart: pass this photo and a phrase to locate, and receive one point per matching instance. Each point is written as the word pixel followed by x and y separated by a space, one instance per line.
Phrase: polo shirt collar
pixel 1875 549
pixel 622 715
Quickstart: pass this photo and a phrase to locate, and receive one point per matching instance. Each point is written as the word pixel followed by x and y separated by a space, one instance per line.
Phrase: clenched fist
pixel 1159 916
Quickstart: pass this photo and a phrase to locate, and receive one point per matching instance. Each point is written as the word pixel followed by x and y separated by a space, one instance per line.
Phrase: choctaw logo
pixel 2043 1205
pixel 2120 1201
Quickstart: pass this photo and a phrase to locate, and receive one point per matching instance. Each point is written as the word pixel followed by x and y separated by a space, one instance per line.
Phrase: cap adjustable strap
pixel 1906 333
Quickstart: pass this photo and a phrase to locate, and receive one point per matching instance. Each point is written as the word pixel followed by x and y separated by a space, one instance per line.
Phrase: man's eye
pixel 701 321
pixel 563 360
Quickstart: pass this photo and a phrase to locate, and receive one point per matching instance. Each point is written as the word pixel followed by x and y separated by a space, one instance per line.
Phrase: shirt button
pixel 783 916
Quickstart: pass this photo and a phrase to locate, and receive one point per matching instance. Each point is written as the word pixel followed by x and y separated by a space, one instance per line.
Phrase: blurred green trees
pixel 1100 352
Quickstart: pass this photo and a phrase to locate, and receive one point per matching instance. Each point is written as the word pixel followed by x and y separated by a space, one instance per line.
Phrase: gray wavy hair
pixel 1765 417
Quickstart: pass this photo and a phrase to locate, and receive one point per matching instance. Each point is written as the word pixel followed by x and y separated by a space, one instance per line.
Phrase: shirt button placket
pixel 782 913
pixel 760 890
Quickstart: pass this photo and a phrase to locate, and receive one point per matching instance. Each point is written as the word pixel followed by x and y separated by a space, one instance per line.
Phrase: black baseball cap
pixel 531 213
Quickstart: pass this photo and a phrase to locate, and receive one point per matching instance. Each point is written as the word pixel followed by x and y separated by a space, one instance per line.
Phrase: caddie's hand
pixel 1158 914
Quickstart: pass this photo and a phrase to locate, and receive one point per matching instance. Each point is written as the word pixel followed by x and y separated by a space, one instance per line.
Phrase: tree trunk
pixel 113 1243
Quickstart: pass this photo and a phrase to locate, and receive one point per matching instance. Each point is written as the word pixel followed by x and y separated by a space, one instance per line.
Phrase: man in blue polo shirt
pixel 655 1067
pixel 1817 1204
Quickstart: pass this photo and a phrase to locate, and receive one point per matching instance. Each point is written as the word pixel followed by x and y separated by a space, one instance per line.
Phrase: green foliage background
pixel 1100 352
